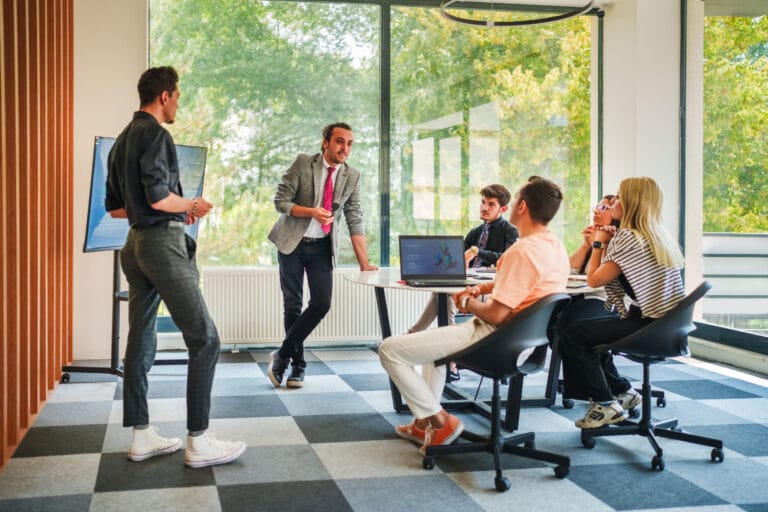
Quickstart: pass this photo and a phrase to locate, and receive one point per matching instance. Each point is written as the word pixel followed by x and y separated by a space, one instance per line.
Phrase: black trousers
pixel 314 260
pixel 589 375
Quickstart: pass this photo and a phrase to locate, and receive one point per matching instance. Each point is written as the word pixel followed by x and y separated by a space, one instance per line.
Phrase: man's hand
pixel 460 298
pixel 366 267
pixel 322 215
pixel 469 254
pixel 202 207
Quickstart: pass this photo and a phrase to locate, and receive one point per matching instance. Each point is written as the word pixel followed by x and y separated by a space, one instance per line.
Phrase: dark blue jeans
pixel 159 263
pixel 314 259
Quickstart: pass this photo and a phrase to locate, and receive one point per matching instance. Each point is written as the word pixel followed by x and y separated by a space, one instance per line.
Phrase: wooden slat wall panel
pixel 36 191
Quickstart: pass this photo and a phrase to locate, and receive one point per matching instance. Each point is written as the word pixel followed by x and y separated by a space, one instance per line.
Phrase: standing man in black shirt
pixel 158 261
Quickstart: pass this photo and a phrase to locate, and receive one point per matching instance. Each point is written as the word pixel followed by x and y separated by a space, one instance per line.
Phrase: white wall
pixel 110 44
pixel 641 97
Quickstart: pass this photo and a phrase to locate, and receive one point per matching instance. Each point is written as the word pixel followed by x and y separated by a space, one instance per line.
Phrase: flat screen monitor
pixel 104 233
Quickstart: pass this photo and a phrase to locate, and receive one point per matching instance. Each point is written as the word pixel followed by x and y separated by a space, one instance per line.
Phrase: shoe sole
pixel 165 451
pixel 294 383
pixel 408 437
pixel 448 440
pixel 609 421
pixel 271 376
pixel 215 462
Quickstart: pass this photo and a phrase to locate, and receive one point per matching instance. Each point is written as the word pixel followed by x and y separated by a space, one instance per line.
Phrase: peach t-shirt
pixel 532 268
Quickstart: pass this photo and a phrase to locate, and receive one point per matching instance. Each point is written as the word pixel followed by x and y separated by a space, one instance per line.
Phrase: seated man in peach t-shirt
pixel 535 266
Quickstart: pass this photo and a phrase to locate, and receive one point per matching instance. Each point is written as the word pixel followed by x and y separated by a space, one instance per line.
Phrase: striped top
pixel 657 289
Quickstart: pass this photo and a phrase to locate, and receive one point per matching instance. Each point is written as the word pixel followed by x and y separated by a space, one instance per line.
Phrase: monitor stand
pixel 114 368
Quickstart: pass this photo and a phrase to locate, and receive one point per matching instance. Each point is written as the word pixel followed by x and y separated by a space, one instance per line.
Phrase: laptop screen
pixel 431 257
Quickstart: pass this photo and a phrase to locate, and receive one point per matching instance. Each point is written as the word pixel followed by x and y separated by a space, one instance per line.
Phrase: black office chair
pixel 517 348
pixel 665 337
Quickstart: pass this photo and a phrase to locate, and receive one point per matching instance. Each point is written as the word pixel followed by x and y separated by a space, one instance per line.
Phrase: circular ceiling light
pixel 445 5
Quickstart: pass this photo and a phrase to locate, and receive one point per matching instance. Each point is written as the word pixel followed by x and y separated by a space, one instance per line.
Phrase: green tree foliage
pixel 735 125
pixel 537 78
pixel 259 80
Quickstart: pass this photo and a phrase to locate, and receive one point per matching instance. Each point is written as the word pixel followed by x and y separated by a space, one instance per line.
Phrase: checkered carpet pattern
pixel 331 446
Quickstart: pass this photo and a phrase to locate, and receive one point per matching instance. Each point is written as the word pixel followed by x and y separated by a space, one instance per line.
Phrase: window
pixel 472 107
pixel 258 81
pixel 469 107
pixel 736 171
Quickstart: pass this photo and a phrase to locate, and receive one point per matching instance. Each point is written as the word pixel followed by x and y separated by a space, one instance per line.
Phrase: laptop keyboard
pixel 440 283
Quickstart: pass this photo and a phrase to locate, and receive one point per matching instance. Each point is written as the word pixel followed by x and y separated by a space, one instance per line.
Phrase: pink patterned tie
pixel 328 197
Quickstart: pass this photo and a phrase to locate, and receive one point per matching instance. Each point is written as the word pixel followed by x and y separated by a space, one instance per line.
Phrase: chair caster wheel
pixel 634 413
pixel 568 403
pixel 502 483
pixel 65 378
pixel 661 402
pixel 562 471
pixel 588 442
pixel 428 462
pixel 717 455
pixel 657 463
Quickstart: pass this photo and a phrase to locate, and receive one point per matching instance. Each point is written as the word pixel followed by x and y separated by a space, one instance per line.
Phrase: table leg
pixel 386 332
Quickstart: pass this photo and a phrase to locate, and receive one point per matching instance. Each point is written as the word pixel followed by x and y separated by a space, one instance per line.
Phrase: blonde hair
pixel 641 200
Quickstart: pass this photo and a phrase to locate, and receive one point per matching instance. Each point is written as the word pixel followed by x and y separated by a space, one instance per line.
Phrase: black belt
pixel 310 240
pixel 161 224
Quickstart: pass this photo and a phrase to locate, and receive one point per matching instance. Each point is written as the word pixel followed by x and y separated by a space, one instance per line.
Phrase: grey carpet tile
pixel 331 446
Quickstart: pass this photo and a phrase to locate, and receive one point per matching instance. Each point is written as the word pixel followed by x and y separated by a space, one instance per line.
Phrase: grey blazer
pixel 300 185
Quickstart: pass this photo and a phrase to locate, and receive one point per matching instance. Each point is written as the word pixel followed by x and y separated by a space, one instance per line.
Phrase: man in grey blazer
pixel 307 241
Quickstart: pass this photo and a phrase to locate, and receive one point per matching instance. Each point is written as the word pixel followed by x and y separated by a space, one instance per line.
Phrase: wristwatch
pixel 597 245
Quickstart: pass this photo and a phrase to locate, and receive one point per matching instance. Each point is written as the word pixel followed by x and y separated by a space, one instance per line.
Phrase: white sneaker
pixel 599 415
pixel 205 450
pixel 148 443
pixel 629 400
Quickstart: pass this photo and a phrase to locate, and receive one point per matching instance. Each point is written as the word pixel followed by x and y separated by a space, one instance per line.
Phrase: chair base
pixel 509 444
pixel 496 444
pixel 650 429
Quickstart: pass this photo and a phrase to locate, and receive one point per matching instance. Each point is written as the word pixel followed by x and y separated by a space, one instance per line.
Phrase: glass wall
pixel 469 107
pixel 472 107
pixel 258 81
pixel 736 171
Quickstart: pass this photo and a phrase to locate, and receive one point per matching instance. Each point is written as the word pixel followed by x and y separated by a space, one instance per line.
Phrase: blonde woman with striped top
pixel 639 267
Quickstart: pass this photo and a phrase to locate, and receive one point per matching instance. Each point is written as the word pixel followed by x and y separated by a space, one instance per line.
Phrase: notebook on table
pixel 433 261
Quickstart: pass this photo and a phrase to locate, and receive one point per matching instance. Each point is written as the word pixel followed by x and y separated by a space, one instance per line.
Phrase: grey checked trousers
pixel 159 265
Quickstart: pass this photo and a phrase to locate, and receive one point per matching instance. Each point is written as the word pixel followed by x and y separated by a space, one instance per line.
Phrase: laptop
pixel 433 261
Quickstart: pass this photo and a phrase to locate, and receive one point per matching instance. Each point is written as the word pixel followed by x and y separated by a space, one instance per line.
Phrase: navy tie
pixel 481 244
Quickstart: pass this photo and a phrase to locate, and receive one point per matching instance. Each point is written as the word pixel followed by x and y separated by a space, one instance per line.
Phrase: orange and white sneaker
pixel 446 435
pixel 411 432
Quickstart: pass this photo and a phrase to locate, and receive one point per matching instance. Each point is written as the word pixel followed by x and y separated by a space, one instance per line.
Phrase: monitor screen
pixel 103 233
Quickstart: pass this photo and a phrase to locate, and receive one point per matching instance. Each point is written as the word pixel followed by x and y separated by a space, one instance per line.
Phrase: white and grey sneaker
pixel 629 400
pixel 148 443
pixel 205 450
pixel 599 415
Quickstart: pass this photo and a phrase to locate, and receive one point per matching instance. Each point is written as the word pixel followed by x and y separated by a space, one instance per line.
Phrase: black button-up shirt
pixel 143 169
pixel 501 234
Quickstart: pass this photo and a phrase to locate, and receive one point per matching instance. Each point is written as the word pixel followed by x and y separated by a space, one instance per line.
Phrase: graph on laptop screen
pixel 431 257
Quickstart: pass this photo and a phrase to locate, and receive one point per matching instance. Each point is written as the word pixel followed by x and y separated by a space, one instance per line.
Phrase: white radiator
pixel 247 305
